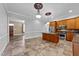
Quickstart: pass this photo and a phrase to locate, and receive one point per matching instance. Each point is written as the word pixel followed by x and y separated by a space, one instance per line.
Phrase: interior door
pixel 11 31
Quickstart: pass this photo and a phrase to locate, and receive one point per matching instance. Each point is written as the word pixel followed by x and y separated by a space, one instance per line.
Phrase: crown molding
pixel 15 13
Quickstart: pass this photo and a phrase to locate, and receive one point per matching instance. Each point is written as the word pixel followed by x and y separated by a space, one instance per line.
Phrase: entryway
pixel 16 29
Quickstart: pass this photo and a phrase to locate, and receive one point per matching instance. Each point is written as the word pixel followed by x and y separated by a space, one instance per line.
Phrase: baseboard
pixel 32 37
pixel 17 34
pixel 4 46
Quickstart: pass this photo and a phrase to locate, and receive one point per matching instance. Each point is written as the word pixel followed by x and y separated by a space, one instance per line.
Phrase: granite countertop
pixel 50 33
pixel 65 30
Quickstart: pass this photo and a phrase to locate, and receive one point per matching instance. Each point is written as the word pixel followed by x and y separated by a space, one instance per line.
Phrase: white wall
pixel 3 29
pixel 18 29
pixel 34 28
pixel 18 22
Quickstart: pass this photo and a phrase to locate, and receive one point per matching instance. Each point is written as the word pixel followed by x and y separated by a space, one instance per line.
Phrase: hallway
pixel 19 46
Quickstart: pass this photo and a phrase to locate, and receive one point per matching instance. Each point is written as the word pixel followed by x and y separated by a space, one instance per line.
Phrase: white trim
pixel 3 48
pixel 32 37
pixel 11 24
pixel 16 13
pixel 18 34
pixel 65 18
pixel 3 36
pixel 1 51
pixel 16 20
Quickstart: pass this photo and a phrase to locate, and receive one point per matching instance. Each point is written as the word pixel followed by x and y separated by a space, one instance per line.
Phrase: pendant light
pixel 38 6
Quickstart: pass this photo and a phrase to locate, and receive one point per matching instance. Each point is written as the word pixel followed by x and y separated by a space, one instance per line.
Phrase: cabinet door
pixel 69 36
pixel 76 49
pixel 45 36
pixel 77 23
pixel 61 22
pixel 54 38
pixel 70 24
pixel 52 24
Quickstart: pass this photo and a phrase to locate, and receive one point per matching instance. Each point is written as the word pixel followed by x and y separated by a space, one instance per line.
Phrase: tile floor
pixel 18 46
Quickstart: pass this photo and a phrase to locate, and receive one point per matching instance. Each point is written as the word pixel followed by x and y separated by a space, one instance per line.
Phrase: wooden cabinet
pixel 61 22
pixel 69 36
pixel 77 23
pixel 75 45
pixel 75 49
pixel 50 37
pixel 70 24
pixel 51 24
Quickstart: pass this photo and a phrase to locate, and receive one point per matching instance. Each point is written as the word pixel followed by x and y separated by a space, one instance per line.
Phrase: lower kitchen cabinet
pixel 50 37
pixel 75 48
pixel 69 36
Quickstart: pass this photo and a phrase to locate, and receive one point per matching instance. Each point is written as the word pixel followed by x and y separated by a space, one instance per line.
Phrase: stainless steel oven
pixel 62 32
pixel 62 35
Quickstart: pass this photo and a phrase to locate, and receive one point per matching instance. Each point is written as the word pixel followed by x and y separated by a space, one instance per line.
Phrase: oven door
pixel 62 35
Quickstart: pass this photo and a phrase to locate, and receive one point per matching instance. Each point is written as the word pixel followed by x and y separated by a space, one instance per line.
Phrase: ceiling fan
pixel 38 7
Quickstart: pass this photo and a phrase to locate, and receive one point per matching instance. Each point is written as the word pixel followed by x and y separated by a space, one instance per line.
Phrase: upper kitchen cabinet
pixel 77 23
pixel 70 24
pixel 61 22
pixel 51 24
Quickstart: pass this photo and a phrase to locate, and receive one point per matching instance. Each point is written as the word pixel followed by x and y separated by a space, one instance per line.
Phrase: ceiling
pixel 27 11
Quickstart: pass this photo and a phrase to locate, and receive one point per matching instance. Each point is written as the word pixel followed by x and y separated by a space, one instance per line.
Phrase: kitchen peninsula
pixel 53 37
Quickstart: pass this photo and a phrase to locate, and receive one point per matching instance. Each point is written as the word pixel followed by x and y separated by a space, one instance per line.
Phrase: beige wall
pixel 17 28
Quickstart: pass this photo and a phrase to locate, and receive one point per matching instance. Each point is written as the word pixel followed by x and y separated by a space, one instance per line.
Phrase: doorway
pixel 11 30
pixel 16 29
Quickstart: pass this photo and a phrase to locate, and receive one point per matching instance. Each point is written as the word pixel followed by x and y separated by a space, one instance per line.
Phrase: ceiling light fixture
pixel 38 16
pixel 70 11
pixel 38 6
pixel 48 23
pixel 48 13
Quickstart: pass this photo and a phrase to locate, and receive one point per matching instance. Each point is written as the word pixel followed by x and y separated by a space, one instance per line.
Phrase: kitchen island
pixel 52 37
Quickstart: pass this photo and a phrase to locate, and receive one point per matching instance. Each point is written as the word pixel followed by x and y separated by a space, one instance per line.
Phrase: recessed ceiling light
pixel 48 13
pixel 70 11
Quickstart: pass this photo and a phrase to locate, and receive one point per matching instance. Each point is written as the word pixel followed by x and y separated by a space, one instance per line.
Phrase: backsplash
pixel 61 27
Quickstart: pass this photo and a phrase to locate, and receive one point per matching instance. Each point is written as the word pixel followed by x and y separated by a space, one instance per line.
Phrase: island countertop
pixel 49 33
